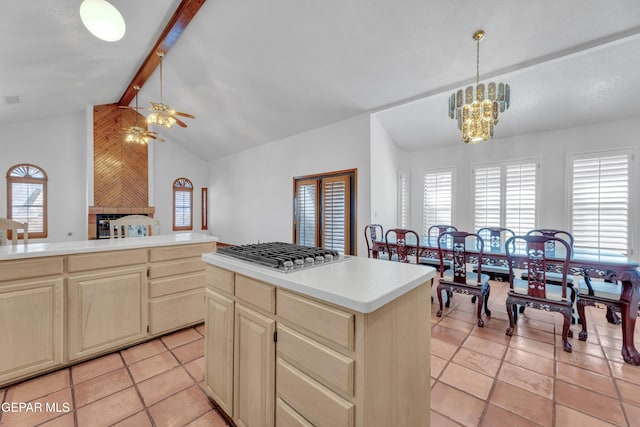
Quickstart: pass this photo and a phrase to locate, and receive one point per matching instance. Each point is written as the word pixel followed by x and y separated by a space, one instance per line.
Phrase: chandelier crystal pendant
pixel 161 114
pixel 476 108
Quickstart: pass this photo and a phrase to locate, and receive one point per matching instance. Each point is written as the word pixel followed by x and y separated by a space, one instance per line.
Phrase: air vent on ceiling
pixel 12 99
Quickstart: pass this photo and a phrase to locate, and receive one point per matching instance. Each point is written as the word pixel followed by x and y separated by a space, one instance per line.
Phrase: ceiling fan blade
pixel 180 122
pixel 190 116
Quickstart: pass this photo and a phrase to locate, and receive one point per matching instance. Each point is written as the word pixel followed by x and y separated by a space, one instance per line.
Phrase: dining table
pixel 594 263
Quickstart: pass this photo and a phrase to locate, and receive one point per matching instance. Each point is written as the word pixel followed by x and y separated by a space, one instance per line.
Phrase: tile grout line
pixel 135 386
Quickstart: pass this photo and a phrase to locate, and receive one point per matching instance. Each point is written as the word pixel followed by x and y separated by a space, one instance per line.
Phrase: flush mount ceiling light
pixel 161 114
pixel 102 19
pixel 476 108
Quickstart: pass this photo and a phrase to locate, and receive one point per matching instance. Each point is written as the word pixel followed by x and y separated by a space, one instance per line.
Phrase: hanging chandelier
pixel 476 108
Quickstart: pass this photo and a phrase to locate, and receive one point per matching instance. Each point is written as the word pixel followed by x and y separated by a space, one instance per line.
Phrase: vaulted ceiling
pixel 255 71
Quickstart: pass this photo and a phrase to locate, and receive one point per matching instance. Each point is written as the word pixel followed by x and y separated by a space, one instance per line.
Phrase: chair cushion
pixel 521 287
pixel 552 278
pixel 472 278
pixel 601 289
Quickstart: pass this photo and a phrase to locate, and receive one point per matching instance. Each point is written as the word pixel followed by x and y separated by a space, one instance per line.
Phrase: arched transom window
pixel 182 204
pixel 27 197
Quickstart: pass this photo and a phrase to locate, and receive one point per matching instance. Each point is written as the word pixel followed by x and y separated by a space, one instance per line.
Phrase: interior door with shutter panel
pixel 306 212
pixel 336 200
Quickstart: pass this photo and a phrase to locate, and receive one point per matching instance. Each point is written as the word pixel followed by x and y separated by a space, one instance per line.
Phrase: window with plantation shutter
pixel 182 204
pixel 487 197
pixel 505 196
pixel 324 211
pixel 306 215
pixel 404 201
pixel 600 201
pixel 520 197
pixel 438 200
pixel 27 198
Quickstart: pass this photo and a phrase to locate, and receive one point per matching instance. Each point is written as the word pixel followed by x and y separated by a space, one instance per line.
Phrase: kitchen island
pixel 61 303
pixel 341 344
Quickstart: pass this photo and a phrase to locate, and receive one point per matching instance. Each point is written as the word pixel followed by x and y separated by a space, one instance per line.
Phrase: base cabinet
pixel 33 341
pixel 327 366
pixel 106 310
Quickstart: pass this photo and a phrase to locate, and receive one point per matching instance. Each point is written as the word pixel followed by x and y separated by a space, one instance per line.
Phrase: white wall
pixel 170 161
pixel 57 145
pixel 551 148
pixel 251 192
pixel 384 177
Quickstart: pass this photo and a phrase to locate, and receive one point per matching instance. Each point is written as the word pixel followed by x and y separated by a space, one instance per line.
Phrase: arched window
pixel 182 204
pixel 27 198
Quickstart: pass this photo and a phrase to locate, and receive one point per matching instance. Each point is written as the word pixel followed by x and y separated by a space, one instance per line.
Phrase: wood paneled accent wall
pixel 120 167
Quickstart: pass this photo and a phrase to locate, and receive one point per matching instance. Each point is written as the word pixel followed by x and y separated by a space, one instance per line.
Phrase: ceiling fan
pixel 161 114
pixel 137 133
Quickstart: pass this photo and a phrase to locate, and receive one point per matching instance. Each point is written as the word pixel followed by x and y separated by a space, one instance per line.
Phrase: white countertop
pixel 357 283
pixel 32 250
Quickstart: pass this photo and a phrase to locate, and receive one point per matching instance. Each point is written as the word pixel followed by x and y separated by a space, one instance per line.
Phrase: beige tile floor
pixel 479 377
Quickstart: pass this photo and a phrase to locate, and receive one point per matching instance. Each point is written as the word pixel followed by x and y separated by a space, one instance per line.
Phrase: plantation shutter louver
pixel 28 205
pixel 600 202
pixel 438 202
pixel 306 212
pixel 404 204
pixel 335 213
pixel 487 197
pixel 520 197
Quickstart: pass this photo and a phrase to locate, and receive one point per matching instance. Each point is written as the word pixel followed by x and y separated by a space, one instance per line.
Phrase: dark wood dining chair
pixel 598 291
pixel 433 234
pixel 495 238
pixel 372 232
pixel 457 278
pixel 399 250
pixel 534 291
pixel 552 249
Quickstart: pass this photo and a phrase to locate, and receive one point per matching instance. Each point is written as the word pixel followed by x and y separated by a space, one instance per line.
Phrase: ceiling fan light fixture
pixel 476 108
pixel 102 19
pixel 161 115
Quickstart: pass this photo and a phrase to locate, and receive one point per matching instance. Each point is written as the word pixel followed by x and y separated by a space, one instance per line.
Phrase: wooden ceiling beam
pixel 178 22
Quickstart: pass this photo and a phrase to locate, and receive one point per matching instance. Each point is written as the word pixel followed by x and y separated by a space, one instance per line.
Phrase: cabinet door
pixel 31 315
pixel 218 375
pixel 254 369
pixel 106 310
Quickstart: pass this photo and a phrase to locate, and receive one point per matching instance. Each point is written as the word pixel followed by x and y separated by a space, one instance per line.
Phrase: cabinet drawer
pixel 330 323
pixel 257 293
pixel 220 279
pixel 172 268
pixel 166 253
pixel 327 366
pixel 100 260
pixel 175 284
pixel 310 399
pixel 24 269
pixel 286 416
pixel 176 311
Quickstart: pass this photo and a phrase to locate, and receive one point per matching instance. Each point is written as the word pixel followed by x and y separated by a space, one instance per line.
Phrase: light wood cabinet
pixel 176 286
pixel 329 366
pixel 218 377
pixel 254 353
pixel 31 315
pixel 106 310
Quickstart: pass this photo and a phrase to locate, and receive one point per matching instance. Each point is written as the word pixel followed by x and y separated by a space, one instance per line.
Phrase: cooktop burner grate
pixel 282 256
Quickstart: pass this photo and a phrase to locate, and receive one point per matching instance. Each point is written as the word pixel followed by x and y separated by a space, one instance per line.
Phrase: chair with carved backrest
pixel 529 252
pixel 433 235
pixel 552 249
pixel 495 238
pixel 398 249
pixel 372 233
pixel 132 225
pixel 9 225
pixel 457 278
